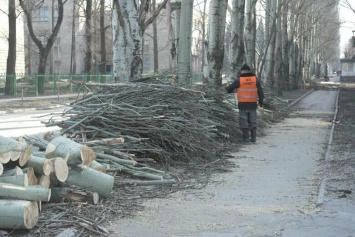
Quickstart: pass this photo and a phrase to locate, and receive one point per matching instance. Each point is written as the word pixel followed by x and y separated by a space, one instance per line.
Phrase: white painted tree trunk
pixel 215 48
pixel 185 40
pixel 270 80
pixel 237 57
pixel 250 32
pixel 127 41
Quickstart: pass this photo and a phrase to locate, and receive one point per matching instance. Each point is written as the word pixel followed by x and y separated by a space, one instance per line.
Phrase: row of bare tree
pixel 285 41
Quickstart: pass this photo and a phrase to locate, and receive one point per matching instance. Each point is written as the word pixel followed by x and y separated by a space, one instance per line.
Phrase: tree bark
pixel 102 38
pixel 184 48
pixel 88 37
pixel 73 42
pixel 29 193
pixel 20 180
pixel 238 51
pixel 69 150
pixel 32 179
pixel 60 170
pixel 215 48
pixel 18 214
pixel 13 150
pixel 40 165
pixel 11 55
pixel 10 172
pixel 90 179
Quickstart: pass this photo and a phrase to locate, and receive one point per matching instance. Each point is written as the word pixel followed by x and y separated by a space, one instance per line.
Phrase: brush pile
pixel 155 121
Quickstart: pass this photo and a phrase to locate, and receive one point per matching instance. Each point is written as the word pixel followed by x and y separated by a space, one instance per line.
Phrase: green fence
pixel 54 84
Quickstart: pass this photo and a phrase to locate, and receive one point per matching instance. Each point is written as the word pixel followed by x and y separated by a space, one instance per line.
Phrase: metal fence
pixel 55 84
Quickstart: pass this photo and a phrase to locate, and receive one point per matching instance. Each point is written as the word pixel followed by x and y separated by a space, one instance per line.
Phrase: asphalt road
pixel 273 191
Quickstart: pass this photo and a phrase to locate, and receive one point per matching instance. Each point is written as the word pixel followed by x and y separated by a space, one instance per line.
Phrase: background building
pixel 4 44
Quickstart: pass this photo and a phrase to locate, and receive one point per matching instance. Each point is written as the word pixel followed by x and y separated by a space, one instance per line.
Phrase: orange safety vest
pixel 247 91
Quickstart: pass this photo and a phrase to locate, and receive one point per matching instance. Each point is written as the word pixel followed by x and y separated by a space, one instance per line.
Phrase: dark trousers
pixel 247 119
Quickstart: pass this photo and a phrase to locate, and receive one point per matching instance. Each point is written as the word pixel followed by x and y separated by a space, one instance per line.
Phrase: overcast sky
pixel 348 17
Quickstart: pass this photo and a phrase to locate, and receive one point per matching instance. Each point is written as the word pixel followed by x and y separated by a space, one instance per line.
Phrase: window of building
pixel 41 14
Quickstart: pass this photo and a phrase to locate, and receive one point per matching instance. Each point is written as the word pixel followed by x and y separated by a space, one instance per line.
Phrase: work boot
pixel 253 135
pixel 245 134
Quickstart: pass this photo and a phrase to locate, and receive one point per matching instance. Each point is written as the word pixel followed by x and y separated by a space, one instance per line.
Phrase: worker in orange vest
pixel 249 93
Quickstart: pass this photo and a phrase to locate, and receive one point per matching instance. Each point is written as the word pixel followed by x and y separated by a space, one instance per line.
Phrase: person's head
pixel 245 69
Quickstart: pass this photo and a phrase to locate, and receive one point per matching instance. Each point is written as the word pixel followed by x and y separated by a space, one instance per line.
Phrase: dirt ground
pixel 342 161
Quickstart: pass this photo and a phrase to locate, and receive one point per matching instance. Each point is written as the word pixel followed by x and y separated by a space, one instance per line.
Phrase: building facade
pixel 68 53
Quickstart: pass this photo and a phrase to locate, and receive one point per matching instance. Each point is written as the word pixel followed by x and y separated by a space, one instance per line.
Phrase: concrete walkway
pixel 272 192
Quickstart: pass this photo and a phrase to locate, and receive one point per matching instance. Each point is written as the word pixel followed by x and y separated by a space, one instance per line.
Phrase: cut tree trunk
pixel 90 179
pixel 32 179
pixel 97 166
pixel 40 165
pixel 13 150
pixel 63 194
pixel 11 172
pixel 44 181
pixel 31 193
pixel 21 180
pixel 60 170
pixel 74 153
pixel 18 214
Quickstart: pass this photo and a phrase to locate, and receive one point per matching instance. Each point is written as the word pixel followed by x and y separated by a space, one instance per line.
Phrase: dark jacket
pixel 247 105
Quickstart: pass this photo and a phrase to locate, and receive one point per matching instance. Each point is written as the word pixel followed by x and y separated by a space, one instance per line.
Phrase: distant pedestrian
pixel 249 93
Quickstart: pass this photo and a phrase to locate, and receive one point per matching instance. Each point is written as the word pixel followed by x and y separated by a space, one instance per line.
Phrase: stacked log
pixel 66 172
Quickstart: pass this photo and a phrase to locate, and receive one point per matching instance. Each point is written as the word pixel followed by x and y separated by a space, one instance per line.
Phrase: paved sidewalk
pixel 272 192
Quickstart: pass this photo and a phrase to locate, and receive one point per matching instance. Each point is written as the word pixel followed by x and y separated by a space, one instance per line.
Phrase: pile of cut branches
pixel 159 121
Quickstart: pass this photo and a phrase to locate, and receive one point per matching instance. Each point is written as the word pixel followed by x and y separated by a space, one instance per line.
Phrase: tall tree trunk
pixel 184 49
pixel 127 41
pixel 88 37
pixel 52 27
pixel 215 49
pixel 270 80
pixel 249 32
pixel 73 42
pixel 29 50
pixel 43 50
pixel 11 56
pixel 278 53
pixel 128 25
pixel 102 38
pixel 155 40
pixel 237 37
pixel 285 46
pixel 203 26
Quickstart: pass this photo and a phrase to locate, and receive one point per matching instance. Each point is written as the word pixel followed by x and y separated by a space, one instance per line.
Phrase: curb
pixel 322 186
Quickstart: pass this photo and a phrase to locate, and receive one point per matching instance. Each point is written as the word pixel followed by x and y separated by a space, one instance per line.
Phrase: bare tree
pixel 11 55
pixel 238 51
pixel 88 37
pixel 44 50
pixel 129 21
pixel 215 48
pixel 102 37
pixel 184 48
